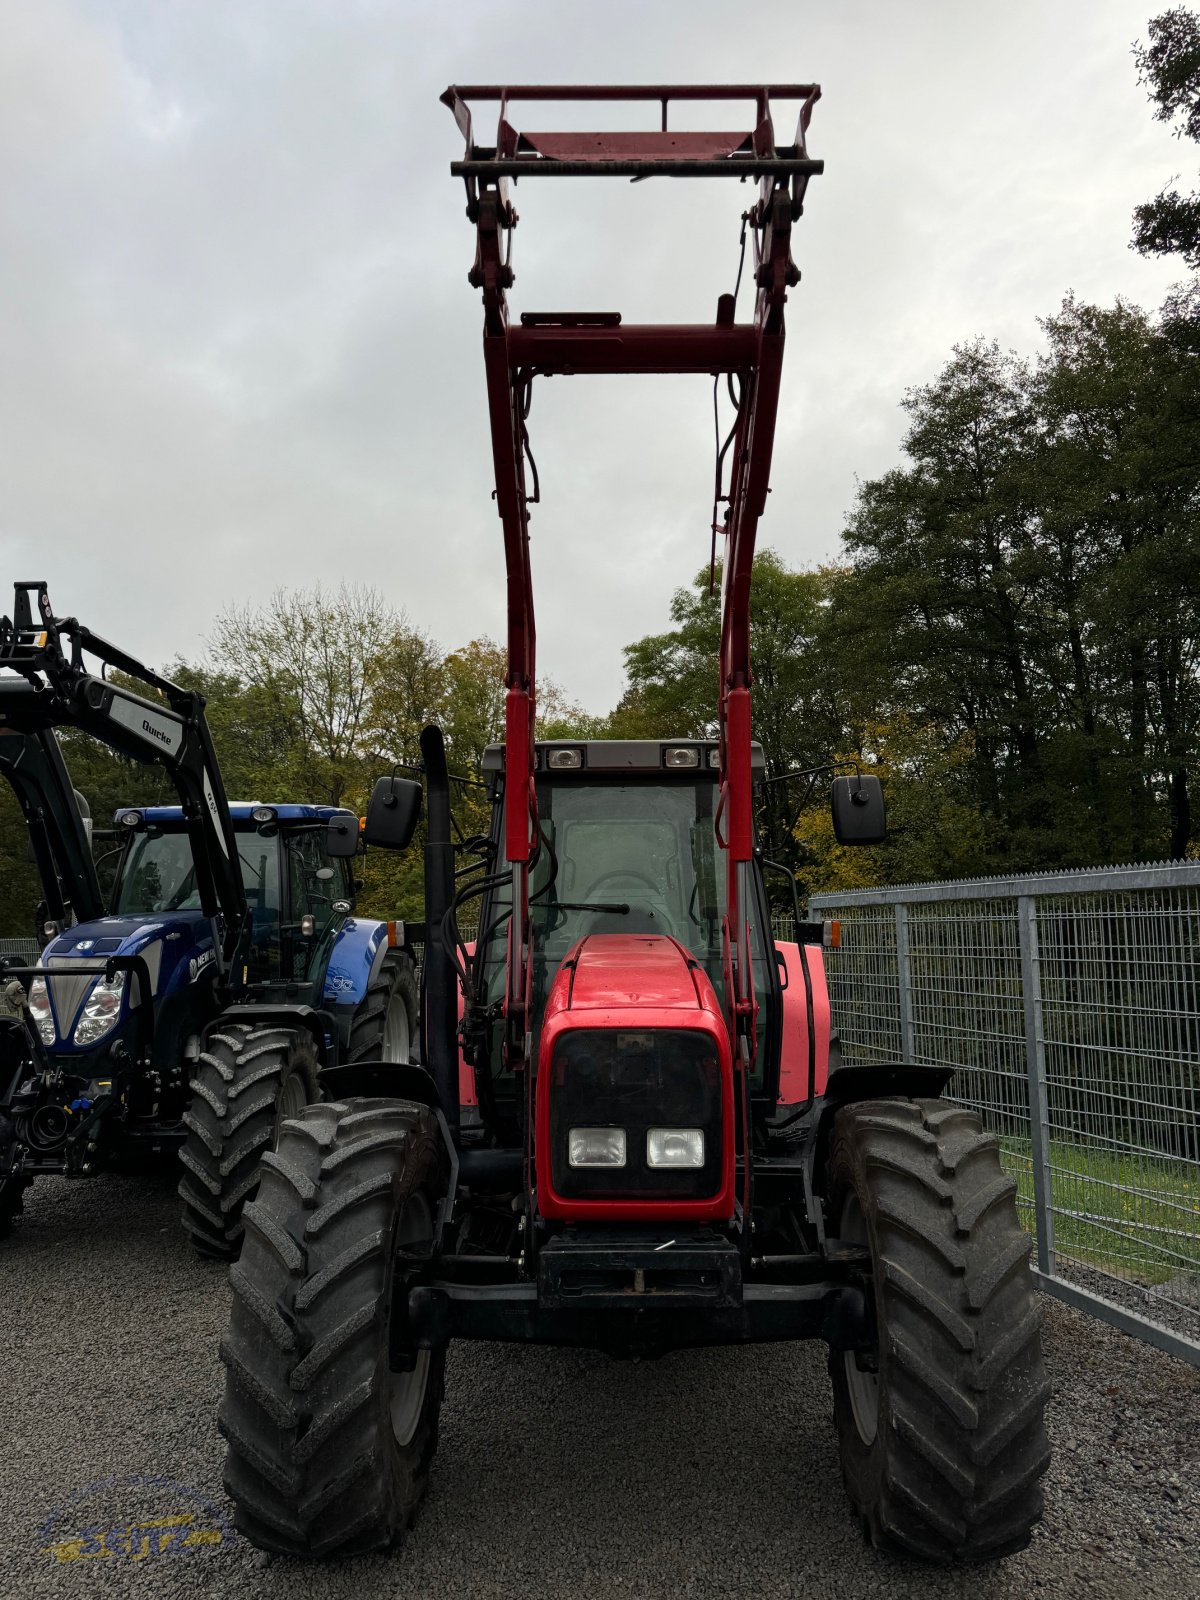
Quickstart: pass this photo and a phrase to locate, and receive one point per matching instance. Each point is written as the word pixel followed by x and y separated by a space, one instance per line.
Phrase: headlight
pixel 596 1147
pixel 39 1010
pixel 101 1011
pixel 675 1147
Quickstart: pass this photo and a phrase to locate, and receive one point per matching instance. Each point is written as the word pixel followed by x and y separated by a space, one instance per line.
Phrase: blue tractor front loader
pixel 225 982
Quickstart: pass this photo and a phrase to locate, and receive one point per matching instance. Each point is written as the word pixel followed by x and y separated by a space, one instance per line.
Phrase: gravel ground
pixel 559 1473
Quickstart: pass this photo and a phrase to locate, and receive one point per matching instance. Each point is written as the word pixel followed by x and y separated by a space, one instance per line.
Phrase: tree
pixel 935 827
pixel 673 677
pixel 1170 66
pixel 939 619
pixel 322 659
pixel 1117 481
pixel 1030 579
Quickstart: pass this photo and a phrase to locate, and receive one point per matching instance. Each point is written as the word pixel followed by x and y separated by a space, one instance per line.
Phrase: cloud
pixel 238 347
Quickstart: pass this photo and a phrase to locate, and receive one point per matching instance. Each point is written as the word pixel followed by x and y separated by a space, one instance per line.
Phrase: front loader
pixel 631 1131
pixel 226 976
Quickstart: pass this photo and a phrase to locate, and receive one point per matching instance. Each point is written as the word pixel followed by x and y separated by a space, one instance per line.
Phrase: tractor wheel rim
pixel 406 1398
pixel 397 1039
pixel 862 1387
pixel 291 1102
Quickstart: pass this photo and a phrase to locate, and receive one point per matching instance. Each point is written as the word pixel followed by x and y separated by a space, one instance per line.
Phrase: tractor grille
pixel 636 1080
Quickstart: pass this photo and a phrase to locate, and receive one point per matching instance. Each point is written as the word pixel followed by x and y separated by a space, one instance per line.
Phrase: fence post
pixel 1035 1061
pixel 903 978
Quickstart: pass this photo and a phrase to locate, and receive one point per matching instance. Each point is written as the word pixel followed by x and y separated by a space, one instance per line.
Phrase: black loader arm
pixel 33 766
pixel 59 691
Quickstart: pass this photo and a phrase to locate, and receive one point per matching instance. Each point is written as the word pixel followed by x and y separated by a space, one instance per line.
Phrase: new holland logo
pixel 197 964
pixel 135 1518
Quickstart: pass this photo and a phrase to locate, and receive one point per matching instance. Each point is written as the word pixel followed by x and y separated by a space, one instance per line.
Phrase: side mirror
pixel 858 814
pixel 392 814
pixel 341 836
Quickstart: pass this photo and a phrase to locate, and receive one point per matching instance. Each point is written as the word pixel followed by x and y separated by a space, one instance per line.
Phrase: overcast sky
pixel 238 348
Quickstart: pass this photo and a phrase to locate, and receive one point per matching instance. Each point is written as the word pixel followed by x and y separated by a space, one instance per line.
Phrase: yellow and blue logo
pixel 136 1518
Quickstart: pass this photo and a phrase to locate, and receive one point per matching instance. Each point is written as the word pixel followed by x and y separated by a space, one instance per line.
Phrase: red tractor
pixel 627 1131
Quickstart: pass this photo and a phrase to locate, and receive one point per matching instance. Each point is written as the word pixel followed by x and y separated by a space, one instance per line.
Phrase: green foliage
pixel 1170 67
pixel 1029 580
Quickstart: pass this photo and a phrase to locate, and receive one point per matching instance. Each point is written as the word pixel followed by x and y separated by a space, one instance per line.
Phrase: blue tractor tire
pixel 247 1082
pixel 386 1023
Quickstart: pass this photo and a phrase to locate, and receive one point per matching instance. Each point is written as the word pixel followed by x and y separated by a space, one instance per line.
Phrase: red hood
pixel 633 969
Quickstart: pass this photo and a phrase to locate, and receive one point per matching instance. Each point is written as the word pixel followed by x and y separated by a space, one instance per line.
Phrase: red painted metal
pixel 661 347
pixel 794 1044
pixel 467 1092
pixel 632 969
pixel 630 91
pixel 629 146
pixel 752 353
pixel 640 982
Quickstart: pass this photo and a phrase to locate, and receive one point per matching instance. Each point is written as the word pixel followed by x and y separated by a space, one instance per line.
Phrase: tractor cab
pixel 630 848
pixel 296 890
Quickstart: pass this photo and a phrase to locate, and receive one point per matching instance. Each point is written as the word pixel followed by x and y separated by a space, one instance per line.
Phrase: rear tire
pixel 329 1450
pixel 385 1025
pixel 246 1081
pixel 944 1447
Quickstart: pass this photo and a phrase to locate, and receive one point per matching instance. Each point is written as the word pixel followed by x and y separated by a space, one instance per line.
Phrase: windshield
pixel 631 858
pixel 157 875
pixel 621 857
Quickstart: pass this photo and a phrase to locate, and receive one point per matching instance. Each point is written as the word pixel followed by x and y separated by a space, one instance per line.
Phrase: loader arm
pixel 33 765
pixel 748 355
pixel 55 689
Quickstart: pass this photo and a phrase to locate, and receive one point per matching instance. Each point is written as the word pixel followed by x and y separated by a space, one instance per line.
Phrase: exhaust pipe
pixel 439 1018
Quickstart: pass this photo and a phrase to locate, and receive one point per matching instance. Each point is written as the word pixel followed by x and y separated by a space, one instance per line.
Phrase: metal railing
pixel 1069 1006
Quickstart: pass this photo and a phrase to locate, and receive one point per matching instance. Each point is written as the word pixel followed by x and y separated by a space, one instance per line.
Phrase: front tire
pixel 246 1082
pixel 943 1444
pixel 329 1448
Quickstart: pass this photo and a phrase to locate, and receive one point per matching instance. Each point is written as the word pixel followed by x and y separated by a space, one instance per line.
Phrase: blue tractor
pixel 225 982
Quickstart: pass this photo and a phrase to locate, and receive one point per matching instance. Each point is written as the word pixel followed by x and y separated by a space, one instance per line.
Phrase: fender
pixel 357 954
pixel 398 1080
pixel 804 1046
pixel 874 1081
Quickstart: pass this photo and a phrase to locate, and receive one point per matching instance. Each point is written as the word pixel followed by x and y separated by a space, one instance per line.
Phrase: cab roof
pixel 624 755
pixel 239 810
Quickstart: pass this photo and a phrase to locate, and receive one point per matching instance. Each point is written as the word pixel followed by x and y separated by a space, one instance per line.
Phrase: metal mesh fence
pixel 1069 1007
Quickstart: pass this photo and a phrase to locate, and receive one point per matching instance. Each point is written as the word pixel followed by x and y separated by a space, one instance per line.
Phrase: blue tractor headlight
pixel 102 1011
pixel 39 1010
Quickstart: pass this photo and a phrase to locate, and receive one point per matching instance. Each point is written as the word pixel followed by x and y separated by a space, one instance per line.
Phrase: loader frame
pixel 749 355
